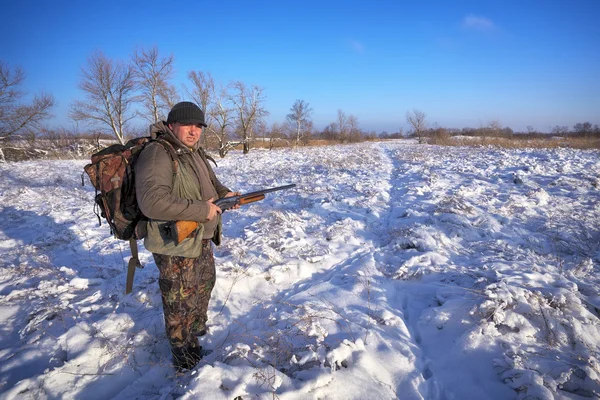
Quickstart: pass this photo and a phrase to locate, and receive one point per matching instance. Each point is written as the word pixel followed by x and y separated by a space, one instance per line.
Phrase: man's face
pixel 187 134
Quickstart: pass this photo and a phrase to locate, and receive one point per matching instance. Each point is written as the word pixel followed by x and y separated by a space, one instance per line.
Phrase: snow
pixel 392 270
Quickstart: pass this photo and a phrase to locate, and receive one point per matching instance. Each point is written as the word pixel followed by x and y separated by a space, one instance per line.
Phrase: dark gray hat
pixel 186 113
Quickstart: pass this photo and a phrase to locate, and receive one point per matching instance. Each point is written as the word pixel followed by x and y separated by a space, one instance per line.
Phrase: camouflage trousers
pixel 185 286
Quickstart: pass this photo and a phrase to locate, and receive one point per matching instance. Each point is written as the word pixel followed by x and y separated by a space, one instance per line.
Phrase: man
pixel 175 182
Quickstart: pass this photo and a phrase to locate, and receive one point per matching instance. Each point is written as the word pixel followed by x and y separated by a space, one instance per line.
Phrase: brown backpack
pixel 112 173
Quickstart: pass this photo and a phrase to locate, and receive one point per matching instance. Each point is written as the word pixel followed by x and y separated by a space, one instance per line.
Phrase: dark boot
pixel 186 357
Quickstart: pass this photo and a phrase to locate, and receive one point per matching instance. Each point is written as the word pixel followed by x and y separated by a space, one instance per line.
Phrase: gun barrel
pixel 182 229
pixel 264 191
pixel 228 202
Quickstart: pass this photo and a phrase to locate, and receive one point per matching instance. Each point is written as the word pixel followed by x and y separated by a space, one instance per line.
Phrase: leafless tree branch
pixel 248 104
pixel 152 74
pixel 300 118
pixel 109 88
pixel 342 125
pixel 221 112
pixel 15 117
pixel 416 120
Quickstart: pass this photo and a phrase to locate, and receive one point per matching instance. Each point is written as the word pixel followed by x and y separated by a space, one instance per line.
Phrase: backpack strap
pixel 209 158
pixel 205 157
pixel 171 150
pixel 134 261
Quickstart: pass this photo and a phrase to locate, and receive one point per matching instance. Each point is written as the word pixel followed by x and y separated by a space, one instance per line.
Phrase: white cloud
pixel 478 23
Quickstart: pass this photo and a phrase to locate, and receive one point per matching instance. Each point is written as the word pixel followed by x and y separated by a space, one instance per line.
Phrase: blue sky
pixel 464 63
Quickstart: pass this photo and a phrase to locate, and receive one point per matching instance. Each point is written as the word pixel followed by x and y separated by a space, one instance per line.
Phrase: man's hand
pixel 231 194
pixel 213 209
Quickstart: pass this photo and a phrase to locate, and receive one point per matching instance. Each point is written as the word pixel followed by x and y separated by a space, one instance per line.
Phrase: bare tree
pixel 560 130
pixel 330 132
pixel 202 90
pixel 583 129
pixel 299 117
pixel 276 134
pixel 152 74
pixel 308 132
pixel 18 118
pixel 221 113
pixel 109 89
pixel 170 96
pixel 416 120
pixel 262 130
pixel 495 127
pixel 249 109
pixel 354 132
pixel 342 125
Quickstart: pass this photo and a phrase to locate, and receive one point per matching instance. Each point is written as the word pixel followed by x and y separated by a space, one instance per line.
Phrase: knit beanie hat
pixel 186 113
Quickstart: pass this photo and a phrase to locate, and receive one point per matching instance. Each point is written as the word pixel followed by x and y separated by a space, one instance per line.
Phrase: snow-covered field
pixel 393 270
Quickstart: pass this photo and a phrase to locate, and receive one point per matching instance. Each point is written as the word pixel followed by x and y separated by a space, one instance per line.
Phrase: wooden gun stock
pixel 182 229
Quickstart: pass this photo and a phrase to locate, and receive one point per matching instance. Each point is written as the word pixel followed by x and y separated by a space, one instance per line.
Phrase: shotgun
pixel 182 229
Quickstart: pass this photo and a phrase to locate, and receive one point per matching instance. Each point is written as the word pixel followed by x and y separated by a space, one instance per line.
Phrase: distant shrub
pixel 517 141
pixel 439 136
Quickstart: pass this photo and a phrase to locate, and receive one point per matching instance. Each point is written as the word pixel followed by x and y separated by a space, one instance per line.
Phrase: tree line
pixel 114 93
pixel 422 130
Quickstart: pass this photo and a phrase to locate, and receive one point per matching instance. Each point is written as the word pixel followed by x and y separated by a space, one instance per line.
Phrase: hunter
pixel 173 186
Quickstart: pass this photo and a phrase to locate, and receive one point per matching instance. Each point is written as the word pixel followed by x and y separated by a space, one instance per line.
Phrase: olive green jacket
pixel 166 195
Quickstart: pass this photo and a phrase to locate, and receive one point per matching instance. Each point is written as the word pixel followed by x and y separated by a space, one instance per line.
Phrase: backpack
pixel 112 174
